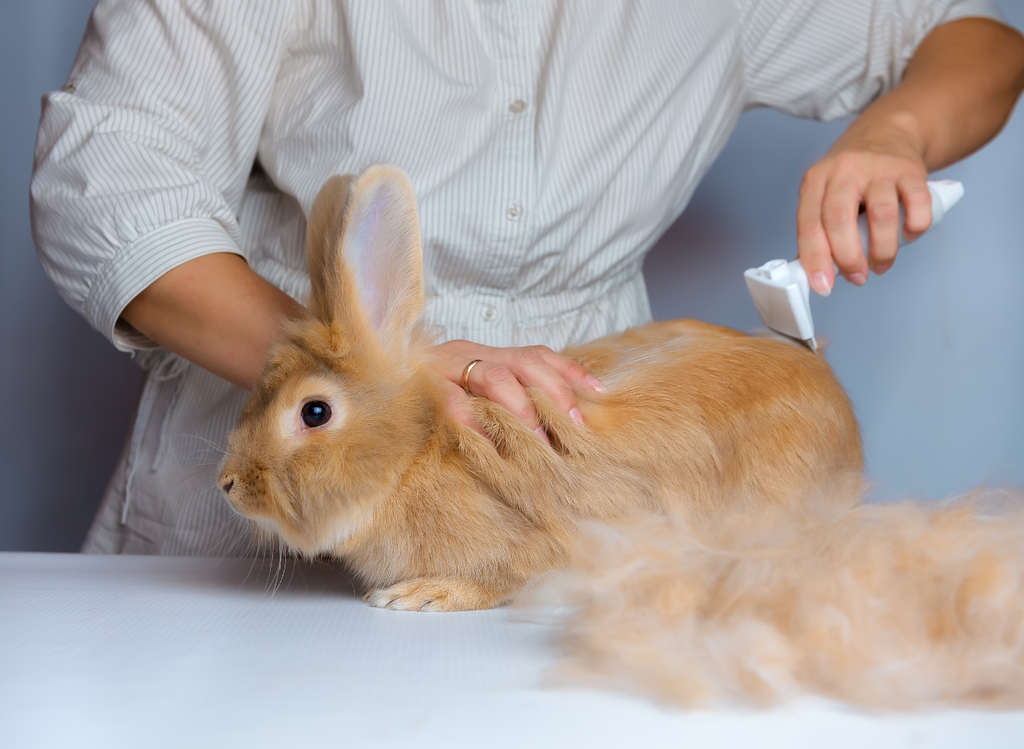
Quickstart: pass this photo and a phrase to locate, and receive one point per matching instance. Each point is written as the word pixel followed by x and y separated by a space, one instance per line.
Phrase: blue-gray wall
pixel 66 395
pixel 932 354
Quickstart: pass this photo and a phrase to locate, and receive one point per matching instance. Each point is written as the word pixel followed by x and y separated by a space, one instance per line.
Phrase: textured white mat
pixel 173 652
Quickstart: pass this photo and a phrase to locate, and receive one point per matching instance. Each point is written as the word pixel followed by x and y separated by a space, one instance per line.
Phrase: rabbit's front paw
pixel 431 595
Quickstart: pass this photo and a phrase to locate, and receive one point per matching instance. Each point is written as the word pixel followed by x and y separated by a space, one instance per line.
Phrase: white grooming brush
pixel 780 290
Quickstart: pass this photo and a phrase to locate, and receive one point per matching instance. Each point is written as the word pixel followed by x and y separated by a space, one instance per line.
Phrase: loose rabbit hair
pixel 345 447
pixel 889 606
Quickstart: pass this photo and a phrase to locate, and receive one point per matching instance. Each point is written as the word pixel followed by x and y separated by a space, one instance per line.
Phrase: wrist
pixel 888 131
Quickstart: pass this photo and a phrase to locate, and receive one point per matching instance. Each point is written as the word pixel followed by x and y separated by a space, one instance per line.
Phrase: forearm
pixel 957 93
pixel 214 311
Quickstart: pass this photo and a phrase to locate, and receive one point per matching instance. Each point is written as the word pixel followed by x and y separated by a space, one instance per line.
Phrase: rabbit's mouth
pixel 253 506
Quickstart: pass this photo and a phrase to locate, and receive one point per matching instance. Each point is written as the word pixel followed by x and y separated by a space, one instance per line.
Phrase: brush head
pixel 781 295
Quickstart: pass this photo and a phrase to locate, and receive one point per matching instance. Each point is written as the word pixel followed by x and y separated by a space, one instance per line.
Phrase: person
pixel 549 144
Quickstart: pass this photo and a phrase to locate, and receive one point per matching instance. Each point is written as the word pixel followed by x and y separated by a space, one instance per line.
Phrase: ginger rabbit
pixel 345 447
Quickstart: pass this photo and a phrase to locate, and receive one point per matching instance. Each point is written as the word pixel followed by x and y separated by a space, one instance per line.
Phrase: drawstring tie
pixel 170 367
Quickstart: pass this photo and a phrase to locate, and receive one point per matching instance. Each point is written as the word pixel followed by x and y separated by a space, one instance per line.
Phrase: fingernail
pixel 595 383
pixel 542 434
pixel 576 415
pixel 857 279
pixel 880 269
pixel 821 284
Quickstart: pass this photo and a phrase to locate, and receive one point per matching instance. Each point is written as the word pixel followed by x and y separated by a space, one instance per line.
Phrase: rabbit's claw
pixel 424 595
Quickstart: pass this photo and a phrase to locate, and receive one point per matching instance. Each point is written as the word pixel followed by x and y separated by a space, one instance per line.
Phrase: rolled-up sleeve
pixel 141 159
pixel 824 59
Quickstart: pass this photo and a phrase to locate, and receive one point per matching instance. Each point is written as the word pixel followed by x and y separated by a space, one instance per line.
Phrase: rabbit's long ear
pixel 373 272
pixel 323 236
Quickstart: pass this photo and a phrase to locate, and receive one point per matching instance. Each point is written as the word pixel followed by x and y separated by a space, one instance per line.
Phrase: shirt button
pixel 517 106
pixel 514 212
pixel 489 314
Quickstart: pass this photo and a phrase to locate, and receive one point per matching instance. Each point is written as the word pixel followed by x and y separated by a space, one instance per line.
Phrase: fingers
pixel 497 383
pixel 883 212
pixel 841 185
pixel 503 375
pixel 839 209
pixel 812 241
pixel 505 378
pixel 457 403
pixel 556 375
pixel 883 199
pixel 917 203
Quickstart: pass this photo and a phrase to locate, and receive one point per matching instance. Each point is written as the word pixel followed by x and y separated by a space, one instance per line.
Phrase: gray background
pixel 932 354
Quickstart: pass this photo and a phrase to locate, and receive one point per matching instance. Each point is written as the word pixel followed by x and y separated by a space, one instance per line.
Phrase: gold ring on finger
pixel 465 374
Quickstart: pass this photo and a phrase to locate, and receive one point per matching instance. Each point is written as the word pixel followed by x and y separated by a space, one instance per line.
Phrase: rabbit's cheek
pixel 338 519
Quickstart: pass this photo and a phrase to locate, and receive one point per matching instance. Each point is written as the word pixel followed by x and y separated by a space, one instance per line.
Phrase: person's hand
pixel 503 374
pixel 958 90
pixel 876 168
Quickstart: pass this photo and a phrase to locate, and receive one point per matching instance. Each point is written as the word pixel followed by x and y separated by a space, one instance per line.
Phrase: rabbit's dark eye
pixel 316 414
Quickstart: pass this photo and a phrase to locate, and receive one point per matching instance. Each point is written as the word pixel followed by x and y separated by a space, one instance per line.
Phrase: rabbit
pixel 345 447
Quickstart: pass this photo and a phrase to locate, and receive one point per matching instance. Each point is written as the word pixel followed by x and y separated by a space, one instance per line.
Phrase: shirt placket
pixel 511 29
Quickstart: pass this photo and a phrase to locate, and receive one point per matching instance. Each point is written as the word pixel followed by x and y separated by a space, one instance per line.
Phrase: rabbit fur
pixel 898 605
pixel 696 422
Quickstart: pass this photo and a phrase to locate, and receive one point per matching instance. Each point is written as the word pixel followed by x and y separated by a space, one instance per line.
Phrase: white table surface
pixel 175 652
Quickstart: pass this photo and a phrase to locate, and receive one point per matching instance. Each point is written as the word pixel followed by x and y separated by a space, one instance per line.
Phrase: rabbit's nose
pixel 226 486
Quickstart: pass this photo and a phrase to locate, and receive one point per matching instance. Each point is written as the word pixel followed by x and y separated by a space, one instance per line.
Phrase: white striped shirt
pixel 550 143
